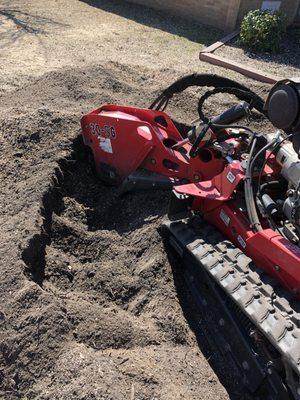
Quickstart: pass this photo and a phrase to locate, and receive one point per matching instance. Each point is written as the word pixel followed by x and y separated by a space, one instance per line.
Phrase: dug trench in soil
pixel 106 247
pixel 95 312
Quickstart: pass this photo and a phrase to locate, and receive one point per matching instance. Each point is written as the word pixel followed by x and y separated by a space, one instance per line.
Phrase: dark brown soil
pixel 93 306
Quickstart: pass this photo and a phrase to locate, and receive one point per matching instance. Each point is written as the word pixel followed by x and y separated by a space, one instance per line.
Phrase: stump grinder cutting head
pixel 145 148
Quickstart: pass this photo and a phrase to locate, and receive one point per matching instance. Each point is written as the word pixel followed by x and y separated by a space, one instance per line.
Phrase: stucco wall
pixel 288 6
pixel 223 14
pixel 210 12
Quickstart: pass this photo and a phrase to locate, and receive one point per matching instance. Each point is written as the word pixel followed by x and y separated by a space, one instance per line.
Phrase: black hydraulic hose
pixel 267 159
pixel 211 124
pixel 261 151
pixel 253 99
pixel 245 128
pixel 269 185
pixel 249 199
pixel 260 187
pixel 201 80
pixel 195 146
pixel 249 194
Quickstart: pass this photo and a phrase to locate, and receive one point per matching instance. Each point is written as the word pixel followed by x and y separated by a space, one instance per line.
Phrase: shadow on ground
pixel 175 25
pixel 205 327
pixel 288 55
pixel 15 23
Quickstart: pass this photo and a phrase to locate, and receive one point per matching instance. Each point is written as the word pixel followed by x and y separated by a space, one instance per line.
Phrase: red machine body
pixel 214 199
pixel 128 138
pixel 247 185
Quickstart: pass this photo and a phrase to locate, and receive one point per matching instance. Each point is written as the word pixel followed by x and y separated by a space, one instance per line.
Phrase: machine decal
pixel 230 177
pixel 224 217
pixel 107 131
pixel 105 144
pixel 241 241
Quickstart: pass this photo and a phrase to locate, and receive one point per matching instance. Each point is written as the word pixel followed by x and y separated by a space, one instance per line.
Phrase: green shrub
pixel 262 30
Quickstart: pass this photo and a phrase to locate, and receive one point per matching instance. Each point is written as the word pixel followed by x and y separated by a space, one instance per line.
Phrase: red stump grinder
pixel 234 216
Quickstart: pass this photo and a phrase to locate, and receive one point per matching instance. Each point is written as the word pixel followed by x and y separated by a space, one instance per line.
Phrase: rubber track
pixel 262 301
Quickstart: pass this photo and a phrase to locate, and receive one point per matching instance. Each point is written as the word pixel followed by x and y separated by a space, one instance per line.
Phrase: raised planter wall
pixel 218 13
pixel 222 14
pixel 290 7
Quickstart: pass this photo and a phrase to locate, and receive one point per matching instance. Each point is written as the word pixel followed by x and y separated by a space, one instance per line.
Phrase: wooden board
pixel 242 69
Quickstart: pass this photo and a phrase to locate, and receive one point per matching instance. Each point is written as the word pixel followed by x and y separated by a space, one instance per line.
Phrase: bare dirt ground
pixel 284 64
pixel 91 307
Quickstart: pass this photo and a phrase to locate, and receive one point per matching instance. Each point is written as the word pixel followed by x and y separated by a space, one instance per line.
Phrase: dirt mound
pixel 90 304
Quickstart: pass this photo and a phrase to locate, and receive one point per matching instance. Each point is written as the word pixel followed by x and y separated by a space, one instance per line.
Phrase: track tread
pixel 269 306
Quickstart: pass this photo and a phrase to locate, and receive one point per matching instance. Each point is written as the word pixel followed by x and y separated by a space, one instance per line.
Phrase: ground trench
pixel 78 211
pixel 101 253
pixel 101 248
